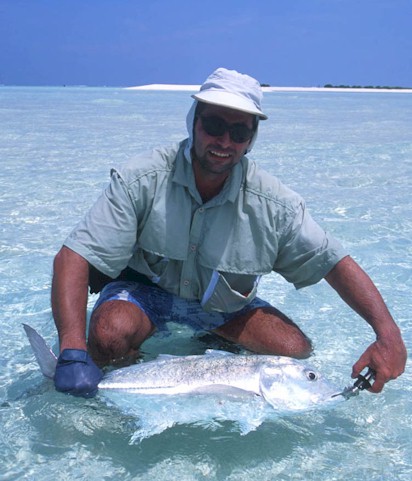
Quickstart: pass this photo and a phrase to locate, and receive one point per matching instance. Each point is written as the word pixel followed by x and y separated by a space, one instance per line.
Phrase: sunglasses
pixel 216 127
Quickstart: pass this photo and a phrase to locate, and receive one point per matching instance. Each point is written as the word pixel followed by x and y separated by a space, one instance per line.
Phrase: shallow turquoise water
pixel 348 154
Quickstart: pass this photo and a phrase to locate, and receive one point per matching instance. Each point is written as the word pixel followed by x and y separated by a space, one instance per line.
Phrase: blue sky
pixel 136 42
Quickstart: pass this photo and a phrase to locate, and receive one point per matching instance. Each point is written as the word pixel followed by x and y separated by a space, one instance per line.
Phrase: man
pixel 184 234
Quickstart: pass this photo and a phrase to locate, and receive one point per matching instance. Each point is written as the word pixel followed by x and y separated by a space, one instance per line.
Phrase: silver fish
pixel 284 383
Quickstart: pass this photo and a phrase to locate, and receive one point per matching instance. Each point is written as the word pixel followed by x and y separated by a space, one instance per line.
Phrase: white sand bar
pixel 191 88
pixel 195 88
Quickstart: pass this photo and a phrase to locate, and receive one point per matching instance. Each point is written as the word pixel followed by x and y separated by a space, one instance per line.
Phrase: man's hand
pixel 386 357
pixel 77 374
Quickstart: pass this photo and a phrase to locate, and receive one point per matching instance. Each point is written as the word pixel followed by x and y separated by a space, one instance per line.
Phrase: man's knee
pixel 117 329
pixel 288 338
pixel 301 347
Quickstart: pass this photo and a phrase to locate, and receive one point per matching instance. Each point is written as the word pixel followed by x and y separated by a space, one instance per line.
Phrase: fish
pixel 249 381
pixel 282 382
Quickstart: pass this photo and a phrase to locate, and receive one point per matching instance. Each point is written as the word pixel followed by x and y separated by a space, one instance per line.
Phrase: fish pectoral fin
pixel 269 381
pixel 221 389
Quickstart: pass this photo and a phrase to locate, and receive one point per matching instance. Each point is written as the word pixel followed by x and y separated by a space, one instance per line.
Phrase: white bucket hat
pixel 233 90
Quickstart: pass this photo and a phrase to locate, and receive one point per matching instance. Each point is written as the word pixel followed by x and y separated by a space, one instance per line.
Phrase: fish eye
pixel 312 376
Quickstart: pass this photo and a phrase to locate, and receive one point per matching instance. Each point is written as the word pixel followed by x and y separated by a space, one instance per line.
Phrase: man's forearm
pixel 69 298
pixel 387 355
pixel 359 292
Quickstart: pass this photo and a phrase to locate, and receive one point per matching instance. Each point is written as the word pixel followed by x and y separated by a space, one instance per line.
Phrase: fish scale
pixel 189 373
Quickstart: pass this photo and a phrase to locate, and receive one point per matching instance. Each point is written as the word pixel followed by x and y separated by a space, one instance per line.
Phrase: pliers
pixel 362 382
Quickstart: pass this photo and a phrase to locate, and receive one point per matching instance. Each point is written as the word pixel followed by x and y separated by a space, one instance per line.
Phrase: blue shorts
pixel 162 307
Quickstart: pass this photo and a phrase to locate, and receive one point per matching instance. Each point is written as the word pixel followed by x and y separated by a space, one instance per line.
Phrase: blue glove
pixel 77 374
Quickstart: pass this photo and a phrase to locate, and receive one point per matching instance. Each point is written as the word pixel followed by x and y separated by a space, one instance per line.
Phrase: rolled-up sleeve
pixel 306 252
pixel 106 237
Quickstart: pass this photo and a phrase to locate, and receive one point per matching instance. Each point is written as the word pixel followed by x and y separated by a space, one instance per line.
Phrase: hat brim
pixel 230 101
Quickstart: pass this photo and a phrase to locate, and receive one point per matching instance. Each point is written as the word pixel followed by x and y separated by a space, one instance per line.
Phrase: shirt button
pixel 193 247
pixel 186 282
pixel 201 210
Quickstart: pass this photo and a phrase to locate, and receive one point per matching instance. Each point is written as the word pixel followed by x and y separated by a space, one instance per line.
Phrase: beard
pixel 214 160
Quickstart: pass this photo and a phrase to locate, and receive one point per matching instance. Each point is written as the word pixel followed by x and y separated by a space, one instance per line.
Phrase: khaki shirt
pixel 152 219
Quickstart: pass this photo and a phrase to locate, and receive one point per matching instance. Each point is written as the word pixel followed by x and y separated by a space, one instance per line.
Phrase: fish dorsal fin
pixel 164 357
pixel 208 352
pixel 217 353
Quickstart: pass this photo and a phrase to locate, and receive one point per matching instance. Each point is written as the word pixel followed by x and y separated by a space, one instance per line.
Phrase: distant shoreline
pixel 195 88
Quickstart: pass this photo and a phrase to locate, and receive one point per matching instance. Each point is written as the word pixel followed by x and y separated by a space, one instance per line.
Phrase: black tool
pixel 362 382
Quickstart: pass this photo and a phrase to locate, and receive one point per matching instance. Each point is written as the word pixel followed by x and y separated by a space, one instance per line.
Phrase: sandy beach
pixel 195 88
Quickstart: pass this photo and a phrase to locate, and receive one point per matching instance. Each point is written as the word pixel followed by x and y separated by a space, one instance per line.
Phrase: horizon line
pixel 267 88
pixel 194 87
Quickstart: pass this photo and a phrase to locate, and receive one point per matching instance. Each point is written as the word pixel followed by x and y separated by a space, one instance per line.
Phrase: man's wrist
pixel 73 342
pixel 389 331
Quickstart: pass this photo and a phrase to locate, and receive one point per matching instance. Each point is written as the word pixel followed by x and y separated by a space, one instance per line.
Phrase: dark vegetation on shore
pixel 330 86
pixel 381 87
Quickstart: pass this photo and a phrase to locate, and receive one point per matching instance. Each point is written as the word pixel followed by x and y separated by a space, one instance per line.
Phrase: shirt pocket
pixel 220 296
pixel 151 265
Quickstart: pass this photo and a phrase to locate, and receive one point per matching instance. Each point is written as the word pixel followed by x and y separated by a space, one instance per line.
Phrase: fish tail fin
pixel 44 355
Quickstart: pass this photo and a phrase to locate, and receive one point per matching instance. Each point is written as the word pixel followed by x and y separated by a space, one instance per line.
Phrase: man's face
pixel 218 154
